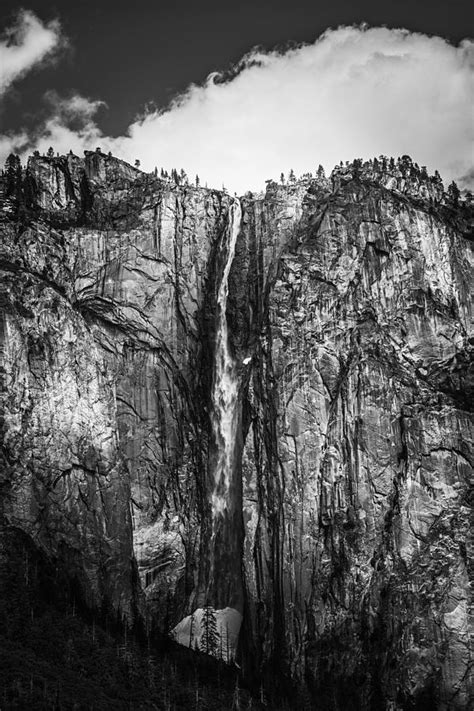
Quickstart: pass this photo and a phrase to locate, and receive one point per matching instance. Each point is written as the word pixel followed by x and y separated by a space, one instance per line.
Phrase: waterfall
pixel 226 622
pixel 225 381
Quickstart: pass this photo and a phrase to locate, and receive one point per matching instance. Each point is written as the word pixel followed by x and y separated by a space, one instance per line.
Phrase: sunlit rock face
pixel 328 541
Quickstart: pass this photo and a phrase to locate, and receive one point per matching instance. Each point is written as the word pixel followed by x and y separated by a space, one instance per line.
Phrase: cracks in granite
pixel 332 585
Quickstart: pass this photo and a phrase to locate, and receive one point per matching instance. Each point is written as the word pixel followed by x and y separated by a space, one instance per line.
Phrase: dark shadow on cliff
pixel 55 653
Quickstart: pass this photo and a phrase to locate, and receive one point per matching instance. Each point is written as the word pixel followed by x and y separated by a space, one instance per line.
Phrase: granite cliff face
pixel 258 410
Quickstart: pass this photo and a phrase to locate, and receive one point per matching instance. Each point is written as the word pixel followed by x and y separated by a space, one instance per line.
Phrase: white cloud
pixel 75 107
pixel 354 92
pixel 25 45
pixel 70 126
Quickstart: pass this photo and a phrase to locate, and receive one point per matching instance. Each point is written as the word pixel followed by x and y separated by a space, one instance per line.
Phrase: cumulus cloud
pixel 26 44
pixel 71 126
pixel 354 92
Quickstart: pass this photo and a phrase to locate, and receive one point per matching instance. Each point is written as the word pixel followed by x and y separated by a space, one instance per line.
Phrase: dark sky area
pixel 130 52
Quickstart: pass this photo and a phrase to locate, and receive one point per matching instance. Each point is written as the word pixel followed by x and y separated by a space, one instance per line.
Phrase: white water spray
pixel 225 383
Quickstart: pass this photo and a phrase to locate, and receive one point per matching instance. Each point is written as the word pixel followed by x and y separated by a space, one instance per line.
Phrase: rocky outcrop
pixel 340 536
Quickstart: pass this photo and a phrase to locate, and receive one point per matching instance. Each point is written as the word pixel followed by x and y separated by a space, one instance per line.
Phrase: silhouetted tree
pixel 405 164
pixel 13 175
pixel 320 172
pixel 453 193
pixel 437 179
pixel 50 152
pixel 191 631
pixel 197 180
pixel 357 167
pixel 209 635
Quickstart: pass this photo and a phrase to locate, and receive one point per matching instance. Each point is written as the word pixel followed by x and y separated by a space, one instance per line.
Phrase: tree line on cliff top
pixel 17 183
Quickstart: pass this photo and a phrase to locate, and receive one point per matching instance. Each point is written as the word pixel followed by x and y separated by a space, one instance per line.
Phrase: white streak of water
pixel 225 383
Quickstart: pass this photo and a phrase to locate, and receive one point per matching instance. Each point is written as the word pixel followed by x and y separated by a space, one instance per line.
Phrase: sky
pixel 240 92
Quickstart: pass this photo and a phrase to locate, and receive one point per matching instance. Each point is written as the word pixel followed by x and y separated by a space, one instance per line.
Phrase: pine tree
pixel 197 180
pixel 13 176
pixel 357 167
pixel 282 178
pixel 453 193
pixel 209 635
pixel 405 164
pixel 50 152
pixel 191 631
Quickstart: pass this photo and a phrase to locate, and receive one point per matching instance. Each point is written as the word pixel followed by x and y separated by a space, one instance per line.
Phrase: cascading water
pixel 225 382
pixel 216 631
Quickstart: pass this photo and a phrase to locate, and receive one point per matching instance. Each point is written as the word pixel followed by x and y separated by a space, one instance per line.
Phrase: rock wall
pixel 358 460
pixel 346 546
